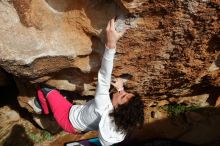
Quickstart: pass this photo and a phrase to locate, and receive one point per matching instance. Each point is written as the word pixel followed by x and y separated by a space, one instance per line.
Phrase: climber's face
pixel 121 97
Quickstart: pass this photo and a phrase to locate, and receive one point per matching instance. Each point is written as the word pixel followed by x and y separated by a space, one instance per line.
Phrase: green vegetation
pixel 177 109
pixel 39 137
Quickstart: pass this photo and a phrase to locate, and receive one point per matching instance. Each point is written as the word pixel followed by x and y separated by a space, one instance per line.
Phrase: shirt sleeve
pixel 104 79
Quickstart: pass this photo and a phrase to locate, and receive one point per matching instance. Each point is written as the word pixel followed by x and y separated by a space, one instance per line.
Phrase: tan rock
pixel 8 118
pixel 73 80
pixel 33 44
pixel 163 102
pixel 199 100
pixel 46 39
pixel 217 103
pixel 133 6
pixel 51 36
pixel 168 52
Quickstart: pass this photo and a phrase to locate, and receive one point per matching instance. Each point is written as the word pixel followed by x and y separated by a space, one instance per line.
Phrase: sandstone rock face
pixel 44 36
pixel 172 52
pixel 8 120
pixel 49 36
pixel 173 48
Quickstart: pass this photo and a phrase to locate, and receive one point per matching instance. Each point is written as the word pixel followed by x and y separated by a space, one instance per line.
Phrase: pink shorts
pixel 60 108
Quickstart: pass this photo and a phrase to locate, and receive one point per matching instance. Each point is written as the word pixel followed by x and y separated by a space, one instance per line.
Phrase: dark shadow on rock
pixel 95 57
pixel 214 44
pixel 71 96
pixel 158 142
pixel 18 137
pixel 214 143
pixel 217 61
pixel 198 127
pixel 205 87
pixel 9 95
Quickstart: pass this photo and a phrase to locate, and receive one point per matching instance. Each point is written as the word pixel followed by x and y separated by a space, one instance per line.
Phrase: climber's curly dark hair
pixel 129 115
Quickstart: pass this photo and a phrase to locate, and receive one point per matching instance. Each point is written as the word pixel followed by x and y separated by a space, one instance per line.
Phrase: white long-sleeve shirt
pixel 94 115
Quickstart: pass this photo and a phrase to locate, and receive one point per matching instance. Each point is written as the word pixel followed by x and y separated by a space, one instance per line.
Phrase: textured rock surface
pixel 48 40
pixel 8 120
pixel 173 48
pixel 49 36
pixel 173 52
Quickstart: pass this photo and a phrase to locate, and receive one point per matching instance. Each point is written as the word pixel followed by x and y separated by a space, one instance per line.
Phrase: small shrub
pixel 177 109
